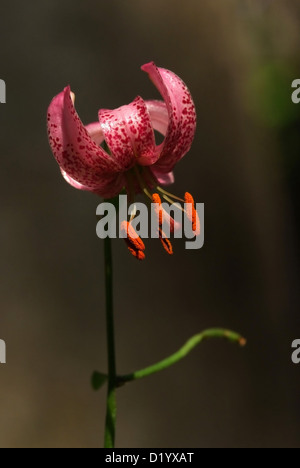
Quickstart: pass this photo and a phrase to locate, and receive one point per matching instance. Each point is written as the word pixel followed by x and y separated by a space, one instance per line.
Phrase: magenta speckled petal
pixel 129 134
pixel 75 151
pixel 182 115
pixel 109 187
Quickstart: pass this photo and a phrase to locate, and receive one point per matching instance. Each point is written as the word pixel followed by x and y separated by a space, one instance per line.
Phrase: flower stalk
pixel 113 380
pixel 111 406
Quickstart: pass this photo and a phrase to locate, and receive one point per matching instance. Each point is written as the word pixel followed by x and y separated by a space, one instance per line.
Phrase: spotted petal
pixel 76 152
pixel 129 134
pixel 181 112
pixel 109 187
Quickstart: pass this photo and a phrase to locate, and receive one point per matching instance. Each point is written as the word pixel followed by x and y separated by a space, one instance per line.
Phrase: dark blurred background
pixel 239 59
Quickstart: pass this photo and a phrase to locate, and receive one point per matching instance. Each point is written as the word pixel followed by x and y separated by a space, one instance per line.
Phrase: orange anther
pixel 157 200
pixel 134 243
pixel 132 237
pixel 166 243
pixel 137 253
pixel 192 213
pixel 162 215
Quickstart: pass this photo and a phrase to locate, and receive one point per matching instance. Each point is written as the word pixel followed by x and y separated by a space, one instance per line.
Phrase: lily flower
pixel 134 161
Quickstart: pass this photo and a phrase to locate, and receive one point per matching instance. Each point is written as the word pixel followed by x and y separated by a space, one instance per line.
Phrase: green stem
pixel 186 349
pixel 110 423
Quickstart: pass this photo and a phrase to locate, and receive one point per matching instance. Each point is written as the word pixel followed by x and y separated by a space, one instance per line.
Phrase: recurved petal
pixel 159 116
pixel 75 150
pixel 129 134
pixel 181 112
pixel 107 188
pixel 73 182
pixel 95 131
pixel 163 178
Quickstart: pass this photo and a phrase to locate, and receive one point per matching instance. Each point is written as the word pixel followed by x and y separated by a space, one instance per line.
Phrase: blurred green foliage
pixel 269 94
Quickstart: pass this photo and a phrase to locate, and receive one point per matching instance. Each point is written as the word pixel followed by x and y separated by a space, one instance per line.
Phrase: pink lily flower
pixel 135 161
pixel 129 134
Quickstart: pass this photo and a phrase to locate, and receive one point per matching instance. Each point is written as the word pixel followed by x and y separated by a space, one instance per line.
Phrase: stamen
pixel 138 254
pixel 157 201
pixel 134 243
pixel 192 213
pixel 162 214
pixel 189 201
pixel 173 203
pixel 169 195
pixel 166 243
pixel 133 213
